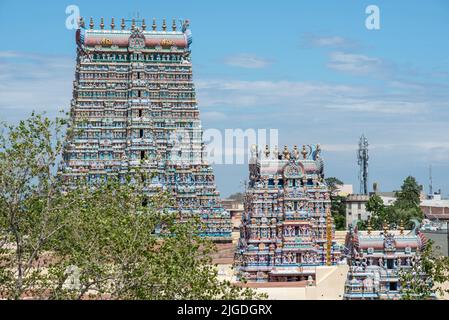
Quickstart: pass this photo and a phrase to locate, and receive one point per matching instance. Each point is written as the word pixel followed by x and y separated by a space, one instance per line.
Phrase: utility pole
pixel 362 160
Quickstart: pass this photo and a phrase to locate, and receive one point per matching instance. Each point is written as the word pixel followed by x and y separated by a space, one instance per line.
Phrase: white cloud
pixel 34 82
pixel 379 106
pixel 239 93
pixel 294 96
pixel 422 151
pixel 245 60
pixel 356 64
pixel 339 147
pixel 8 54
pixel 329 41
pixel 213 116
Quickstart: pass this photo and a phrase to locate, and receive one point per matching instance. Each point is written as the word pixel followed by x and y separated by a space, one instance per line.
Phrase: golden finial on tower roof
pixel 296 152
pixel 385 226
pixel 154 26
pixel 164 25
pixel 276 152
pixel 286 153
pixel 267 151
pixel 81 22
pixel 304 151
pixel 144 26
pixel 102 23
pixel 369 228
pixel 174 25
pixel 91 24
pixel 112 24
pixel 401 227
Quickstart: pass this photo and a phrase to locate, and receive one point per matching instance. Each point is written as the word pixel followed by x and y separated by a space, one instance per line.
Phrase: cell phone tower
pixel 362 160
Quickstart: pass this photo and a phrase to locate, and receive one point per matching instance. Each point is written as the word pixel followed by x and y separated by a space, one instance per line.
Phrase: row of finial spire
pixel 385 226
pixel 286 154
pixel 123 25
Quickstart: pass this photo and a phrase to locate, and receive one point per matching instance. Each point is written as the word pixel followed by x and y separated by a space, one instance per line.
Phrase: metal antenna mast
pixel 362 160
pixel 430 181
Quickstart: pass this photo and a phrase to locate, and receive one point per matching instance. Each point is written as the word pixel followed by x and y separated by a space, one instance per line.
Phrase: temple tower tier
pixel 134 106
pixel 377 258
pixel 287 230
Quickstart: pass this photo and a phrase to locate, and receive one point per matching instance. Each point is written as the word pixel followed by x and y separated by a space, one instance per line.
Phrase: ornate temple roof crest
pixel 293 170
pixel 389 242
pixel 136 39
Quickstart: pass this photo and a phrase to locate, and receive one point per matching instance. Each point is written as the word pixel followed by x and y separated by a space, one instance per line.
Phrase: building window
pixel 141 133
pixel 359 205
pixel 390 264
pixel 140 113
pixel 142 155
pixel 393 286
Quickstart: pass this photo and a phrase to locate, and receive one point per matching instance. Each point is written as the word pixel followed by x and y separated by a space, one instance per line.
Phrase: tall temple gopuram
pixel 134 105
pixel 287 229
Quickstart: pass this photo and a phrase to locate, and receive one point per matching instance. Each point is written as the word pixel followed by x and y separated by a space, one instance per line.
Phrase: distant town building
pixel 356 208
pixel 345 190
pixel 435 208
pixel 356 204
pixel 375 259
pixel 388 198
pixel 233 206
pixel 235 209
pixel 438 233
pixel 287 229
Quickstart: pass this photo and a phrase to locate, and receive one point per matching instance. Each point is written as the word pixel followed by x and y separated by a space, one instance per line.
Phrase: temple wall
pixel 329 286
pixel 330 283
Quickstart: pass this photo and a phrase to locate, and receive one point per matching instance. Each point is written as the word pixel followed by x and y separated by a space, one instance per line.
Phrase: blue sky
pixel 309 68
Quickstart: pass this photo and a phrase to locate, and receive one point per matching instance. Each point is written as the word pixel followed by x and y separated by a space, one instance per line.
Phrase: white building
pixel 433 207
pixel 355 208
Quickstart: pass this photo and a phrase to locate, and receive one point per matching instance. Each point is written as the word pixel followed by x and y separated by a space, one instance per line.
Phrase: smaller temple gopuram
pixel 375 260
pixel 287 229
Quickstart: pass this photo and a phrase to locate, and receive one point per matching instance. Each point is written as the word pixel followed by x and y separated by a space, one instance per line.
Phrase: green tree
pixel 333 184
pixel 409 195
pixel 426 277
pixel 126 245
pixel 108 240
pixel 338 208
pixel 30 208
pixel 406 206
pixel 379 213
